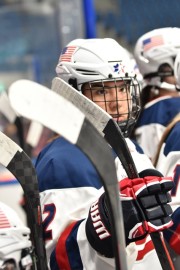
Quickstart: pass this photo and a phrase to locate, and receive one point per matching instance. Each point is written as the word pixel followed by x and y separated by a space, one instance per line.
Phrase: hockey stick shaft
pixel 20 165
pixel 106 125
pixel 131 171
pixel 68 121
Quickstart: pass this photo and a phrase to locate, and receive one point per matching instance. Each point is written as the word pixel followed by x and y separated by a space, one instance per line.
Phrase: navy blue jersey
pixel 154 118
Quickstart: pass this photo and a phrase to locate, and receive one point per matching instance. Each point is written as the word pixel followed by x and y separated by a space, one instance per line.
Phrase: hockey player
pixel 168 162
pixel 15 246
pixel 155 52
pixel 77 228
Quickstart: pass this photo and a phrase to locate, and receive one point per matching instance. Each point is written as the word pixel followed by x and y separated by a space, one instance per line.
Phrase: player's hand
pixel 145 205
pixel 145 210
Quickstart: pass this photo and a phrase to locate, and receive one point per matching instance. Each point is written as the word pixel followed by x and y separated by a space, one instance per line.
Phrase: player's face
pixel 113 97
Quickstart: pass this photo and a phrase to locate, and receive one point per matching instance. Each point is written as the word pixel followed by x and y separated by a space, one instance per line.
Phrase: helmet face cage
pixel 129 99
pixel 9 265
pixel 25 261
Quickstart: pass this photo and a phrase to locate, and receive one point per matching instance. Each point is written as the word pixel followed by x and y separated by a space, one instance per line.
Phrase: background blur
pixel 33 32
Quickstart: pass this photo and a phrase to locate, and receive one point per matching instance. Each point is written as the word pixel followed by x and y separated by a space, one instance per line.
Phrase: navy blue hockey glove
pixel 145 210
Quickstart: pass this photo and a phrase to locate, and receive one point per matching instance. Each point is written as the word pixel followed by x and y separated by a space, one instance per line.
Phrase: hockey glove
pixel 145 205
pixel 145 210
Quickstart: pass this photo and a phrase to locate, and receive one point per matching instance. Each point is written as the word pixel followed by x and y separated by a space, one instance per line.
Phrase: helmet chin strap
pixel 168 86
pixel 156 83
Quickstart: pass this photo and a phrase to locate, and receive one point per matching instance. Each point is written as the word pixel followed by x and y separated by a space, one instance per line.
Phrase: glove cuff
pixel 98 229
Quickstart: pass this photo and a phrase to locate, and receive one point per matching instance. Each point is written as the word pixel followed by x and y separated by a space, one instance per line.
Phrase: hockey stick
pixel 106 125
pixel 6 109
pixel 101 120
pixel 33 136
pixel 34 131
pixel 11 116
pixel 19 164
pixel 38 103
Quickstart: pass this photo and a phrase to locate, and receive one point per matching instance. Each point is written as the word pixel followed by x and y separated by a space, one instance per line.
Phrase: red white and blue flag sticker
pixel 4 222
pixel 67 53
pixel 149 43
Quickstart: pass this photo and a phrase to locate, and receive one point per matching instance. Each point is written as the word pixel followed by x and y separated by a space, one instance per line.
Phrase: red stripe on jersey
pixel 147 247
pixel 61 252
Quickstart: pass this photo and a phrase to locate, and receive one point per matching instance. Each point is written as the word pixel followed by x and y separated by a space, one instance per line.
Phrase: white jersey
pixel 66 197
pixel 169 161
pixel 156 115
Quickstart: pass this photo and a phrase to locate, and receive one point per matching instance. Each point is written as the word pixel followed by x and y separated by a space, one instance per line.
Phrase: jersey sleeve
pixel 73 251
pixel 169 164
pixel 172 235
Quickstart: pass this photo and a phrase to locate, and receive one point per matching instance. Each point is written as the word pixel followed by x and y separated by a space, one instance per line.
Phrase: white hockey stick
pixel 110 130
pixel 38 103
pixel 11 116
pixel 6 109
pixel 34 131
pixel 19 164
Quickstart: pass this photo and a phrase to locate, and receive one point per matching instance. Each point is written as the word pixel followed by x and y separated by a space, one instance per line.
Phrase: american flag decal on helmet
pixel 67 53
pixel 4 222
pixel 149 43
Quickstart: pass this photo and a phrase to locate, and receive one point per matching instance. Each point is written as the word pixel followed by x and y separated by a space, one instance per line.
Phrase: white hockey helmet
pixel 15 246
pixel 99 60
pixel 155 48
pixel 134 66
pixel 86 60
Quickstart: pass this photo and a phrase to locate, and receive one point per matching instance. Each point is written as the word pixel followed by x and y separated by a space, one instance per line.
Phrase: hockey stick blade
pixel 19 164
pixel 6 109
pixel 11 116
pixel 112 133
pixel 38 103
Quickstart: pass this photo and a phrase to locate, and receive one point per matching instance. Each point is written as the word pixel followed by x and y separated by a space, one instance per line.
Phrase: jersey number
pixel 50 211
